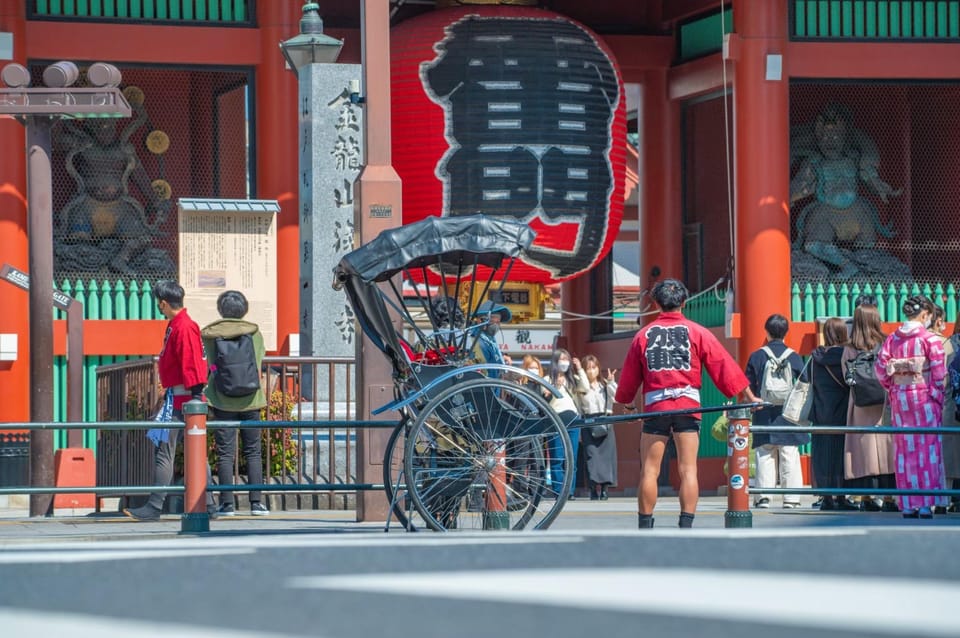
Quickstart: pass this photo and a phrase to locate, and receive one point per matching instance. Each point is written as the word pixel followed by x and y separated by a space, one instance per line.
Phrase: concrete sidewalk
pixel 617 514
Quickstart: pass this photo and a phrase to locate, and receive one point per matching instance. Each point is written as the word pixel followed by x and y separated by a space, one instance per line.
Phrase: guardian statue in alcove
pixel 837 230
pixel 104 229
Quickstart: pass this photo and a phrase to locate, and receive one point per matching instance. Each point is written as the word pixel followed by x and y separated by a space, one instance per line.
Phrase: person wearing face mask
pixel 490 315
pixel 910 366
pixel 567 376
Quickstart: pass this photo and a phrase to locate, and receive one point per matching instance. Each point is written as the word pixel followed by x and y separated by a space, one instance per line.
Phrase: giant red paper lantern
pixel 514 112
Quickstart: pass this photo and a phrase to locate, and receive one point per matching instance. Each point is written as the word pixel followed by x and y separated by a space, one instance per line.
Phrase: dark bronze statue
pixel 104 229
pixel 838 224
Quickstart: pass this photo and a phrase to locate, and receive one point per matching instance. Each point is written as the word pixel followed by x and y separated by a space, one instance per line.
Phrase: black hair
pixel 939 314
pixel 776 326
pixel 865 300
pixel 446 312
pixel 169 291
pixel 555 368
pixel 913 305
pixel 669 294
pixel 232 304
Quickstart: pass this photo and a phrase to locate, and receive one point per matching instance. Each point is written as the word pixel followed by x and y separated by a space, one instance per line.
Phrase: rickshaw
pixel 470 449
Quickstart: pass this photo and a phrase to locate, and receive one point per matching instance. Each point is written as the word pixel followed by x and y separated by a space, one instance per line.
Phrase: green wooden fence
pixel 219 11
pixel 810 302
pixel 101 300
pixel 876 19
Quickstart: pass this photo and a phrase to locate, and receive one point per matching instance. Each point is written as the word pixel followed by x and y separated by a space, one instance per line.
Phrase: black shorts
pixel 664 425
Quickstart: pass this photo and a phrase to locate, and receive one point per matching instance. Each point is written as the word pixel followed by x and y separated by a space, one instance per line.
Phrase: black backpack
pixel 235 371
pixel 861 376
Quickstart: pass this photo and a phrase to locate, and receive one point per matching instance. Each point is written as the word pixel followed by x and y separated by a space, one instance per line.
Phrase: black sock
pixel 644 521
pixel 686 519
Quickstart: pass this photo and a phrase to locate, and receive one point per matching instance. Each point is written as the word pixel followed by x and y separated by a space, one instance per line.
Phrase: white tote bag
pixel 796 409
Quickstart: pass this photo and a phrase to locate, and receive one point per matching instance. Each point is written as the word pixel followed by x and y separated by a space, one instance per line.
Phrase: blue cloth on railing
pixel 164 415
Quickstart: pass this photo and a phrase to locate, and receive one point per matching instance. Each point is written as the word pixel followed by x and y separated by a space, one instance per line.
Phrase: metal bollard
pixel 195 517
pixel 495 514
pixel 738 512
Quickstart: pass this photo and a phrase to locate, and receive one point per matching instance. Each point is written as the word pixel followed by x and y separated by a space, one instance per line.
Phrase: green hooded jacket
pixel 230 329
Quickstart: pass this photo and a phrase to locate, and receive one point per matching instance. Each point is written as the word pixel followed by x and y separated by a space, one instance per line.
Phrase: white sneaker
pixel 762 503
pixel 259 509
pixel 791 506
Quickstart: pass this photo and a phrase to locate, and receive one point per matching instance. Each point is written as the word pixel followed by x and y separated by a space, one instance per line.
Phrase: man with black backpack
pixel 234 349
pixel 772 370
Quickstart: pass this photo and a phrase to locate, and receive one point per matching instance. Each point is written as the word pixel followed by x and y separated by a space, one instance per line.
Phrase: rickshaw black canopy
pixel 451 243
pixel 449 240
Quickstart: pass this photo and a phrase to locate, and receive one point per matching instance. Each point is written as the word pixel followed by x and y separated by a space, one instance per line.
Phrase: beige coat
pixel 866 454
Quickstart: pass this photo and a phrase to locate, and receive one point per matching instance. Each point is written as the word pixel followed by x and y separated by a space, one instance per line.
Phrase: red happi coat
pixel 669 353
pixel 182 362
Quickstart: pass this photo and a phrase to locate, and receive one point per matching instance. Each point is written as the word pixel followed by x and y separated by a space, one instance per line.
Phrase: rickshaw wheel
pixel 393 481
pixel 474 458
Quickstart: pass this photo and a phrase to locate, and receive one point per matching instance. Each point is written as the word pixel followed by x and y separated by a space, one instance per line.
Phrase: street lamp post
pixel 38 109
pixel 330 159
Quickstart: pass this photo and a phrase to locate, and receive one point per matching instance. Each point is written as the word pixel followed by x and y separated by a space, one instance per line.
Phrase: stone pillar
pixel 331 148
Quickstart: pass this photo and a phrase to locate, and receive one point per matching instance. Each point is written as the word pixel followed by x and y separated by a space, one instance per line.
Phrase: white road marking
pixel 402 539
pixel 48 623
pixel 89 555
pixel 399 538
pixel 897 606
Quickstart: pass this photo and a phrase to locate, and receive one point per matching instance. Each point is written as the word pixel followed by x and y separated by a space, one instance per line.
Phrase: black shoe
pixel 871 505
pixel 594 496
pixel 843 504
pixel 146 513
pixel 911 514
pixel 827 504
pixel 889 506
pixel 817 504
pixel 226 509
pixel 603 494
pixel 939 509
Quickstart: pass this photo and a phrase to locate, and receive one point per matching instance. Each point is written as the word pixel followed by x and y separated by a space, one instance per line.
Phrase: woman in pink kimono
pixel 911 367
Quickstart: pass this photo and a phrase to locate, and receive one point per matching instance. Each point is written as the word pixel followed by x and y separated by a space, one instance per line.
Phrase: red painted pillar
pixel 14 375
pixel 738 470
pixel 762 168
pixel 661 228
pixel 195 517
pixel 277 158
pixel 378 187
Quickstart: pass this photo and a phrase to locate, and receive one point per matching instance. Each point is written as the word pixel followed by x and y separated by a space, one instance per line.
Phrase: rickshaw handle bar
pixel 636 416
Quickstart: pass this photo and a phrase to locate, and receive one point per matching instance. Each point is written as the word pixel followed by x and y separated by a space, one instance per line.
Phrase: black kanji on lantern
pixel 529 105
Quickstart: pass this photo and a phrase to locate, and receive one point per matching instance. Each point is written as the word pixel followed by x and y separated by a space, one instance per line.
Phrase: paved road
pixel 306 574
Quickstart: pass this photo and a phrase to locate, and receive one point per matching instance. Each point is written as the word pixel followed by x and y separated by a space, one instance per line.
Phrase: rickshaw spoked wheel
pixel 474 458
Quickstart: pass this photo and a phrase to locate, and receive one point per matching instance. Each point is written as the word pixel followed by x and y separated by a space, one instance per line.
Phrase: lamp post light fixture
pixel 311 45
pixel 38 109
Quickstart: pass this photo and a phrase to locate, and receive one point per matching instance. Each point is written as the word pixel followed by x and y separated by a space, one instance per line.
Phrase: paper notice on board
pixel 230 245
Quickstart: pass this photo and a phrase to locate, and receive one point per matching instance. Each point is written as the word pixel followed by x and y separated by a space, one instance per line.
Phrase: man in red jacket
pixel 183 370
pixel 665 360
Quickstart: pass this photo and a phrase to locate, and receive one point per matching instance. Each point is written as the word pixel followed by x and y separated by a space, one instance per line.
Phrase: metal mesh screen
pixel 116 181
pixel 873 182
